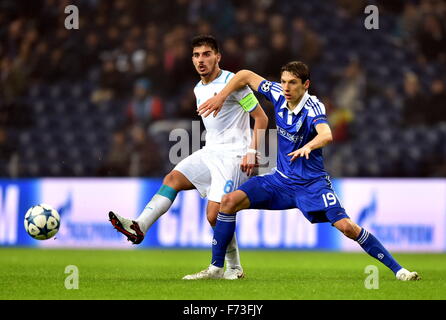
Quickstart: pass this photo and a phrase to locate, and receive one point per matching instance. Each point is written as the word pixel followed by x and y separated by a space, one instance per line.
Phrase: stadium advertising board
pixel 407 215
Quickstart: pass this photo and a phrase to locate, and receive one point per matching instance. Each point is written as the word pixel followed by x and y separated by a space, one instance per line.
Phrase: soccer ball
pixel 42 222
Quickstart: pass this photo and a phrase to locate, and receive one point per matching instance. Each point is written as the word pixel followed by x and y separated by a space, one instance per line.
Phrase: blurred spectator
pixel 145 157
pixel 305 44
pixel 408 22
pixel 117 161
pixel 349 90
pixel 110 84
pixel 178 65
pixel 432 7
pixel 278 55
pixel 112 39
pixel 126 56
pixel 13 79
pixel 221 13
pixel 339 119
pixel 143 107
pixel 260 19
pixel 276 23
pixel 231 57
pixel 437 102
pixel 255 55
pixel 204 27
pixel 414 112
pixel 39 58
pixel 152 38
pixel 187 107
pixel 180 15
pixel 135 33
pixel 431 39
pixel 243 21
pixel 56 70
pixel 153 71
pixel 90 55
pixel 14 36
pixel 29 40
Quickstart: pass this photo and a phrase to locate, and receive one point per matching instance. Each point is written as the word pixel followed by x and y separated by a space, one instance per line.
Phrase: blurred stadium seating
pixel 61 103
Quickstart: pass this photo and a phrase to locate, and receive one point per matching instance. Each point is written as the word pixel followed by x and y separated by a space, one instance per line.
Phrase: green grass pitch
pixel 156 275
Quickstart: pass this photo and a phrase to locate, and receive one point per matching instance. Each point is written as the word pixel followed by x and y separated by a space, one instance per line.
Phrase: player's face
pixel 205 60
pixel 292 86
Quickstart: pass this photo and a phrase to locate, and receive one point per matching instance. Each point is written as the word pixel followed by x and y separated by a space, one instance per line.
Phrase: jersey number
pixel 329 199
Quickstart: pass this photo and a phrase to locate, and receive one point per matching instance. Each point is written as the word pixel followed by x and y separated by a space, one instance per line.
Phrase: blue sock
pixel 374 248
pixel 223 234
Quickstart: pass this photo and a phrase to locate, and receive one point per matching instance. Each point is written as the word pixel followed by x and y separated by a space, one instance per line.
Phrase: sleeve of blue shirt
pixel 317 112
pixel 271 90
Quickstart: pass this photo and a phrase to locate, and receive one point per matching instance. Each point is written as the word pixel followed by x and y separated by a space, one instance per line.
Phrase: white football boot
pixel 406 275
pixel 212 272
pixel 233 273
pixel 127 227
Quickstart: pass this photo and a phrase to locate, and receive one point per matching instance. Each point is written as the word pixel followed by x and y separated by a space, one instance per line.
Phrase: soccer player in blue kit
pixel 300 180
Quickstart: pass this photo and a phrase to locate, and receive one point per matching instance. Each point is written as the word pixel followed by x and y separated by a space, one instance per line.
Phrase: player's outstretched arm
pixel 322 138
pixel 241 79
pixel 250 160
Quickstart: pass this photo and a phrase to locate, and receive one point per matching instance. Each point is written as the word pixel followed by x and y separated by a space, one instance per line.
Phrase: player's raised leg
pixel 374 248
pixel 135 230
pixel 234 268
pixel 174 182
pixel 223 234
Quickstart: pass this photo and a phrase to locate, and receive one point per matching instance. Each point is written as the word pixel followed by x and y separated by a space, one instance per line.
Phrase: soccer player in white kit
pixel 222 165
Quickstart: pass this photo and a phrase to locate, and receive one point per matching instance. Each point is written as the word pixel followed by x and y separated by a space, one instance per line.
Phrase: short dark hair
pixel 205 40
pixel 298 68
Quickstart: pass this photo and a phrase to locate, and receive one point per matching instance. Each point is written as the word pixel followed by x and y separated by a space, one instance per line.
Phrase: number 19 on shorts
pixel 329 199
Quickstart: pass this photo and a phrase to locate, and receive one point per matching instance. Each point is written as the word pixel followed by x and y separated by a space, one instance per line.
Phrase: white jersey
pixel 230 130
pixel 215 169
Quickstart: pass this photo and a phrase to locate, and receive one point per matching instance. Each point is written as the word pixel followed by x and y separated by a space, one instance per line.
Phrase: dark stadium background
pixel 66 94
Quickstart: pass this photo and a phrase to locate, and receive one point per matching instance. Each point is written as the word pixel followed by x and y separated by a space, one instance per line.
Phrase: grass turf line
pixel 156 275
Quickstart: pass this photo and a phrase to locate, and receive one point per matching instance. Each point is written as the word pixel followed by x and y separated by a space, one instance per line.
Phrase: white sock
pixel 153 210
pixel 232 256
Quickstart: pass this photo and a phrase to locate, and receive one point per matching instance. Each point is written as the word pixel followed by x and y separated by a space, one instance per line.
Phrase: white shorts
pixel 212 173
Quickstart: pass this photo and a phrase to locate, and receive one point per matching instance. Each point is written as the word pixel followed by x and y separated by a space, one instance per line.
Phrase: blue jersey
pixel 294 130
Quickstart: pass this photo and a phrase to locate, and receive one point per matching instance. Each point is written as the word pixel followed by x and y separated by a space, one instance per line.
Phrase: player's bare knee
pixel 348 228
pixel 350 231
pixel 228 203
pixel 356 230
pixel 212 218
pixel 174 180
pixel 169 179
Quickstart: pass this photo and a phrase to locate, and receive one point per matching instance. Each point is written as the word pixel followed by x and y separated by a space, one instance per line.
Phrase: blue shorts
pixel 315 198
